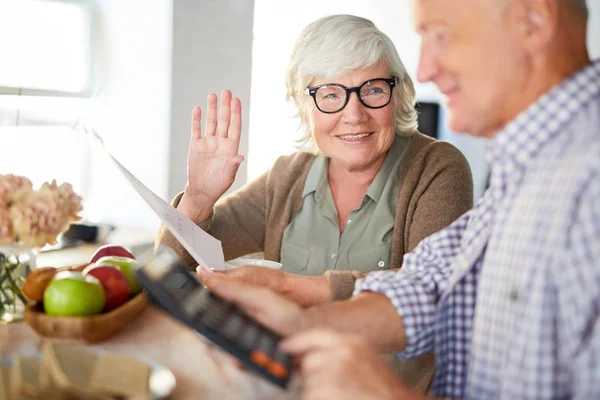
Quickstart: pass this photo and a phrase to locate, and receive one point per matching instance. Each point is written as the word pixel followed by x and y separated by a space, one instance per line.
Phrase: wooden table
pixel 201 371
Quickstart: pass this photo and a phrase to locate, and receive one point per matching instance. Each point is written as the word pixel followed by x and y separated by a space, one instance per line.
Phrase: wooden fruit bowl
pixel 84 329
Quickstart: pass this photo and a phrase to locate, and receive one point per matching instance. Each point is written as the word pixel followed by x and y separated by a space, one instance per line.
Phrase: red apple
pixel 114 282
pixel 111 250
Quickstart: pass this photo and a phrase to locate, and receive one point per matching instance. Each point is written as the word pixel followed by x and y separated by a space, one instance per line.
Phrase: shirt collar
pixel 315 173
pixel 393 155
pixel 522 138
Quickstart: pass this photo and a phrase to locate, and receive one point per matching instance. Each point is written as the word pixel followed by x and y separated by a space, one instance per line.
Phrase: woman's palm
pixel 213 159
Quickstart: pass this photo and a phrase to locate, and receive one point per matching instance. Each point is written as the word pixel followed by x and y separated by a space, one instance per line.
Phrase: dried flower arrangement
pixel 29 219
pixel 34 218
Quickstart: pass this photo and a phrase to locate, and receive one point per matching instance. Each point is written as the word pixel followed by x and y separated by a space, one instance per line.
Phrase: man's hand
pixel 304 290
pixel 335 366
pixel 368 314
pixel 270 309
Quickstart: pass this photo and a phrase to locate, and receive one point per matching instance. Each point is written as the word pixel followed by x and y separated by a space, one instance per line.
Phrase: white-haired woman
pixel 372 190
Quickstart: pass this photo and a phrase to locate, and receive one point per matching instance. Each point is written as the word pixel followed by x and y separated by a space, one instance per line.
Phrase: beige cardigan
pixel 436 187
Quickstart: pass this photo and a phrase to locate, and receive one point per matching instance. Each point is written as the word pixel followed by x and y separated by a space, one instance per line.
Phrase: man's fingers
pixel 310 340
pixel 258 301
pixel 224 114
pixel 211 115
pixel 196 123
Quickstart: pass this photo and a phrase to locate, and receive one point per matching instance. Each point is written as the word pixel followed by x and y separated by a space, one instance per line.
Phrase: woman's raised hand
pixel 213 158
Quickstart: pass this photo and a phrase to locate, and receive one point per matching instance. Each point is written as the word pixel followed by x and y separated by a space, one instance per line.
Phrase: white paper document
pixel 204 248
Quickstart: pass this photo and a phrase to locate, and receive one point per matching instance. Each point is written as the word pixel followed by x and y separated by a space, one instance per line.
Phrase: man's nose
pixel 428 64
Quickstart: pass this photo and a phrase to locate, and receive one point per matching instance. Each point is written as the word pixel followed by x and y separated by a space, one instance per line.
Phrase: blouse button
pixel 381 264
pixel 333 256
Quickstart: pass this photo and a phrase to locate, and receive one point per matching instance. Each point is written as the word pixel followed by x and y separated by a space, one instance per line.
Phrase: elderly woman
pixel 372 190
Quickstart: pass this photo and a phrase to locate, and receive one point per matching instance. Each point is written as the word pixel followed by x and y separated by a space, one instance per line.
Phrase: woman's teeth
pixel 354 137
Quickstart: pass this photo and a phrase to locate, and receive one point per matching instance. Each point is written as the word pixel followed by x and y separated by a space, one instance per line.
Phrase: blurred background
pixel 133 70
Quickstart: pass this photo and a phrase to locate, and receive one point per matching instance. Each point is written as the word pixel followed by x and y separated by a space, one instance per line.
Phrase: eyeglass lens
pixel 374 94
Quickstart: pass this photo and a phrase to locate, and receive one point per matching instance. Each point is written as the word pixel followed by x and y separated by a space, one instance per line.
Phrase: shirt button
pixel 333 256
pixel 349 221
pixel 381 264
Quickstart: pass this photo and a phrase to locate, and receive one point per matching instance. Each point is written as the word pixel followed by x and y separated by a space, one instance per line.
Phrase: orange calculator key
pixel 260 358
pixel 277 370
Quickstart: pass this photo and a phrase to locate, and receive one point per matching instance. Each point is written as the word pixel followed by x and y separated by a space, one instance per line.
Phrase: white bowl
pixel 238 262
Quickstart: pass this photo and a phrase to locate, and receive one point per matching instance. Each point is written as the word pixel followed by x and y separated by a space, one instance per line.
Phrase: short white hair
pixel 337 45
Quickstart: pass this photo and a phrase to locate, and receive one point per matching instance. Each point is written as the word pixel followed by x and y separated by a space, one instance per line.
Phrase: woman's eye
pixel 330 96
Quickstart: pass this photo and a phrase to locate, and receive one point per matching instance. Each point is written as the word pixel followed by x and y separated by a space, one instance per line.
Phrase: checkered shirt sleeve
pixel 578 297
pixel 417 287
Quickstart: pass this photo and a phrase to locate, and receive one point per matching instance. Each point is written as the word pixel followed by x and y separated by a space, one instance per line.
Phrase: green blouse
pixel 312 243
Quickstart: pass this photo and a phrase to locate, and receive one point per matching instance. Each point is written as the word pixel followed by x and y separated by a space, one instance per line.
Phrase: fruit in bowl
pixel 36 283
pixel 73 293
pixel 128 267
pixel 72 310
pixel 111 250
pixel 114 282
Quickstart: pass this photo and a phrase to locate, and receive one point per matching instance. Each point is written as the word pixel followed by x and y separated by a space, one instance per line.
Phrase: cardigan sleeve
pixel 443 193
pixel 238 221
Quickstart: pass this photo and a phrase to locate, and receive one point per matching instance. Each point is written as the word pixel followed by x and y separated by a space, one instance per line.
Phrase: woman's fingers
pixel 196 123
pixel 224 114
pixel 235 127
pixel 211 115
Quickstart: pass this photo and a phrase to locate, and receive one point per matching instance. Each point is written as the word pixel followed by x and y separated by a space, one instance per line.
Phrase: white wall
pixel 212 50
pixel 132 111
pixel 594 28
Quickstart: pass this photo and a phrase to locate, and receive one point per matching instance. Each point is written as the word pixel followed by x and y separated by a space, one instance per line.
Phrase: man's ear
pixel 540 23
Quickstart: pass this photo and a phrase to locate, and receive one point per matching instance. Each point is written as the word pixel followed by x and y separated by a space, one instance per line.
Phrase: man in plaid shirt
pixel 509 294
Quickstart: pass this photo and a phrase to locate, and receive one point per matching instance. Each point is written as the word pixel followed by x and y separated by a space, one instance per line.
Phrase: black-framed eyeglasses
pixel 333 97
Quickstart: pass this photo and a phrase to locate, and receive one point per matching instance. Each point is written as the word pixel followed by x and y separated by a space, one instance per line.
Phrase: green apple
pixel 127 266
pixel 72 293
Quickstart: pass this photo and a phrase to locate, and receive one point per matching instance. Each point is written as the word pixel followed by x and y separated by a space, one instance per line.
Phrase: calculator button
pixel 278 370
pixel 260 358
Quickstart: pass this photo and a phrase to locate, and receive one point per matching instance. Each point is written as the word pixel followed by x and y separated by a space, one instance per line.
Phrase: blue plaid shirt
pixel 509 294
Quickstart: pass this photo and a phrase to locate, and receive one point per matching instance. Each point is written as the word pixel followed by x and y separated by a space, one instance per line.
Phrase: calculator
pixel 172 287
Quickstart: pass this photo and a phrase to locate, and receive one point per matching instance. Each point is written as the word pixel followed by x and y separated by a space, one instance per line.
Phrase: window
pixel 46 77
pixel 46 47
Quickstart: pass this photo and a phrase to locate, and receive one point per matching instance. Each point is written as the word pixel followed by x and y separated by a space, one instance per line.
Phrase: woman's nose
pixel 354 110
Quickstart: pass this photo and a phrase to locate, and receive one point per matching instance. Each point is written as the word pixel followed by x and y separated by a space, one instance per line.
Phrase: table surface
pixel 201 369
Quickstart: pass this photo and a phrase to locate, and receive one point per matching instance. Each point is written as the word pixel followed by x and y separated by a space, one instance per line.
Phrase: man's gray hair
pixel 337 45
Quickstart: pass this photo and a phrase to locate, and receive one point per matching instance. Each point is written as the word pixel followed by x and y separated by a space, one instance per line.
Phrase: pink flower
pixel 69 203
pixel 12 187
pixel 36 219
pixel 7 235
